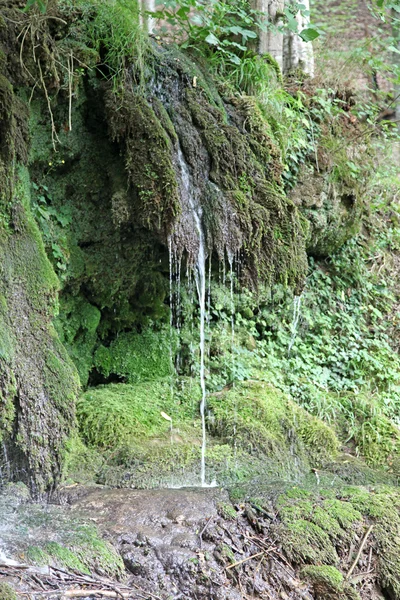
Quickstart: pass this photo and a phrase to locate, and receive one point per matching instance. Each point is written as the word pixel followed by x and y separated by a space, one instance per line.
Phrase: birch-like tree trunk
pixel 289 50
pixel 271 41
pixel 396 63
pixel 296 52
pixel 147 22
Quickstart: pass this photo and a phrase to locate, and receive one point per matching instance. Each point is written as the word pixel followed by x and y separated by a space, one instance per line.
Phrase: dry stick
pixel 240 562
pixel 54 135
pixel 353 566
pixel 204 529
pixel 86 593
pixel 145 592
pixel 369 559
pixel 70 81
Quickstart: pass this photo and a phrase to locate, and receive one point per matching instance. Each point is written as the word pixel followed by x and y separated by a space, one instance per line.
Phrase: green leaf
pixel 234 59
pixel 246 33
pixel 183 12
pixel 41 4
pixel 157 14
pixel 309 34
pixel 212 40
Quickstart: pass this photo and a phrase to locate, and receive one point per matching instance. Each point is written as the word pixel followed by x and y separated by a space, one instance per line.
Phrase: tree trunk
pixel 296 52
pixel 396 64
pixel 147 22
pixel 271 41
pixel 289 50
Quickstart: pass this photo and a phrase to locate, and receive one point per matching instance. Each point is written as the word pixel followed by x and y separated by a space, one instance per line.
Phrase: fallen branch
pixel 240 562
pixel 86 593
pixel 204 529
pixel 364 541
pixel 361 576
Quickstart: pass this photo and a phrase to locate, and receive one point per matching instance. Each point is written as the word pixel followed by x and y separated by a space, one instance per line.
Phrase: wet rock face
pixel 176 544
pixel 332 209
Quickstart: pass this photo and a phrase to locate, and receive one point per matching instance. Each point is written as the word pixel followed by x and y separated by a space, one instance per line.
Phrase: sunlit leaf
pixel 309 34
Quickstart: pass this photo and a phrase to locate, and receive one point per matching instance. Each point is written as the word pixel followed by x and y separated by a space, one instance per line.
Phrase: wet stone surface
pixel 175 544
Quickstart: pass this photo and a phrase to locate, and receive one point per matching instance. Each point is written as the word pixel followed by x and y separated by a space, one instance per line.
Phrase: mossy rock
pixel 81 550
pixel 259 418
pixel 34 365
pixel 7 592
pixel 136 357
pixel 328 583
pixel 113 415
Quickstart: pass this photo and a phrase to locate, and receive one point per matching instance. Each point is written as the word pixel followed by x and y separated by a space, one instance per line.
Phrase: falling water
pixel 5 465
pixel 200 278
pixel 295 321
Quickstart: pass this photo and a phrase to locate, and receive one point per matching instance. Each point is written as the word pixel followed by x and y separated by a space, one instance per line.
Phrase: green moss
pixel 64 557
pixel 83 551
pixel 37 556
pixel 33 360
pixel 148 152
pixel 274 64
pixel 382 505
pixel 112 415
pixel 81 464
pixel 7 592
pixel 137 357
pixel 227 511
pixel 259 418
pixel 328 583
pixel 325 574
pixel 305 541
pixel 227 553
pixel 344 512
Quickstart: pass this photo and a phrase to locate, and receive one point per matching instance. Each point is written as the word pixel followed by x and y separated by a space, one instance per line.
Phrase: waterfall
pixel 200 255
pixel 295 321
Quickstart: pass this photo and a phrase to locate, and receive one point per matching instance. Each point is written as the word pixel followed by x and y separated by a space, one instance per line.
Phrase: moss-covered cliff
pixel 98 133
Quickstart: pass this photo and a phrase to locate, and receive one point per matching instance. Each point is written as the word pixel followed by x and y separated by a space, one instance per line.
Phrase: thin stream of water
pixel 295 321
pixel 200 278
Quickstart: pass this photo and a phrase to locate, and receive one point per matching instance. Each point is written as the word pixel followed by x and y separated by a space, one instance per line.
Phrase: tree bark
pixel 296 52
pixel 271 42
pixel 147 22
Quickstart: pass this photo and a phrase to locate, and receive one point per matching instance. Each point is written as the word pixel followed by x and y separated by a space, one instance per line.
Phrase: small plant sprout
pixel 167 418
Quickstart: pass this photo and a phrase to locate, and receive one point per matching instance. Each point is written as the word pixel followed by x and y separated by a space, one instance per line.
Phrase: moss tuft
pixel 7 592
pixel 148 152
pixel 110 416
pixel 83 550
pixel 261 419
pixel 137 357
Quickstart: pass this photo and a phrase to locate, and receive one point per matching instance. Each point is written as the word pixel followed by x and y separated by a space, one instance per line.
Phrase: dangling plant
pixel 210 26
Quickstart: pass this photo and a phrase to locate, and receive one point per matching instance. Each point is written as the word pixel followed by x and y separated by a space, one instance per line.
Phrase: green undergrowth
pixel 321 523
pixel 334 349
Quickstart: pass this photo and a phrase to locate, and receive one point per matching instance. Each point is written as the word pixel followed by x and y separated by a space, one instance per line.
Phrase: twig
pixel 54 136
pixel 70 84
pixel 240 562
pixel 145 592
pixel 203 530
pixel 86 593
pixel 361 576
pixel 353 566
pixel 369 559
